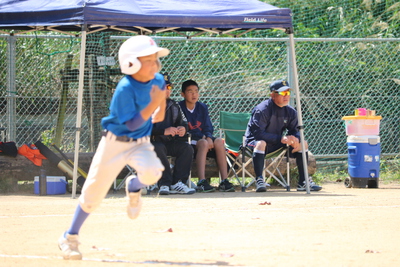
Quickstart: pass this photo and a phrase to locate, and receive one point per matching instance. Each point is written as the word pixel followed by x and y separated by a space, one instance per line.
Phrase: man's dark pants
pixel 183 153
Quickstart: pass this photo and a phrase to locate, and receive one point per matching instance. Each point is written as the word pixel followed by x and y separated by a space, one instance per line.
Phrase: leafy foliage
pixel 344 18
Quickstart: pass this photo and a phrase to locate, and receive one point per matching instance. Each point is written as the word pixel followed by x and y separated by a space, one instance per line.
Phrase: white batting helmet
pixel 134 47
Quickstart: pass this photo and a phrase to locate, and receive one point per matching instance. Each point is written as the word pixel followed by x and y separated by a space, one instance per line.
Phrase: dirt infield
pixel 337 226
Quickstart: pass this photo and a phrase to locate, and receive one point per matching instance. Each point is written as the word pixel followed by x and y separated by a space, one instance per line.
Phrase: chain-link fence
pixel 338 76
pixel 33 87
pixel 39 83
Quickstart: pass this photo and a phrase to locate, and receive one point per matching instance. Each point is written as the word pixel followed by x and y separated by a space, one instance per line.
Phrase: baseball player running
pixel 139 100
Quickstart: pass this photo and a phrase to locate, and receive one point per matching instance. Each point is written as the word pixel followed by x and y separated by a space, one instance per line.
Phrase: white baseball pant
pixel 110 158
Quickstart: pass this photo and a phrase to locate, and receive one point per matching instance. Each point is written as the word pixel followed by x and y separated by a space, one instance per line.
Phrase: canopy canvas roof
pixel 148 17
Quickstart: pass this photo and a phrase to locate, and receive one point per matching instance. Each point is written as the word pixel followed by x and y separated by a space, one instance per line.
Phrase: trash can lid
pixel 371 139
pixel 362 118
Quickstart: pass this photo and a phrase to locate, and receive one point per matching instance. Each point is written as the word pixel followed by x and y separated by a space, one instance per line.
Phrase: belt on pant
pixel 122 138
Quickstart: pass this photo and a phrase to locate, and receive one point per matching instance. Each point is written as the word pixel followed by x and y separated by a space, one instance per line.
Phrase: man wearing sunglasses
pixel 169 138
pixel 273 124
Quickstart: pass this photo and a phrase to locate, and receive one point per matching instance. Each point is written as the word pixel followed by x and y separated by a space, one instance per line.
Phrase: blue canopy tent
pixel 232 17
pixel 70 15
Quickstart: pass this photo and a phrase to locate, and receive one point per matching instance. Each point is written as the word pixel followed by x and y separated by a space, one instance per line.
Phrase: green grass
pixel 328 172
pixel 25 186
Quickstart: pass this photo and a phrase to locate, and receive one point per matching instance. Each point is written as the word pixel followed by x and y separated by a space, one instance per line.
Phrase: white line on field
pixel 118 261
pixel 193 210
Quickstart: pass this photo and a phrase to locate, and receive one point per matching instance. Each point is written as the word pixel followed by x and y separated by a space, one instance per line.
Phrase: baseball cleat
pixel 134 204
pixel 69 246
pixel 134 199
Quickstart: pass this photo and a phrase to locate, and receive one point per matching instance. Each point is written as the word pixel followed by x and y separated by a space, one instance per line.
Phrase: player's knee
pixel 219 142
pixel 89 207
pixel 187 151
pixel 202 144
pixel 261 145
pixel 150 176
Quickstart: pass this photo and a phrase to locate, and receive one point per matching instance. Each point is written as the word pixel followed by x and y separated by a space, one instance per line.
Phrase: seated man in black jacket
pixel 273 124
pixel 169 139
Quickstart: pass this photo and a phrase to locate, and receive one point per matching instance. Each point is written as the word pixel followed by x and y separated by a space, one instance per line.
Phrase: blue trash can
pixel 364 160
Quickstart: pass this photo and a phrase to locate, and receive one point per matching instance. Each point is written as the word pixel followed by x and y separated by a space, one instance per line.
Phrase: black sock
pixel 299 162
pixel 258 163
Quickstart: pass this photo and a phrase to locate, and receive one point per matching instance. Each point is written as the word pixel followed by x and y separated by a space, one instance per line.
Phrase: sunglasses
pixel 284 93
pixel 169 86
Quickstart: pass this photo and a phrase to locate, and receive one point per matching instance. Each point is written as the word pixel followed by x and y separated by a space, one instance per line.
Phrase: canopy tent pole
pixel 11 132
pixel 79 109
pixel 295 86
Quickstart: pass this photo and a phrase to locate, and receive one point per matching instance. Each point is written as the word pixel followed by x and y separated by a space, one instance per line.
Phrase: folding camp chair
pixel 239 157
pixel 232 127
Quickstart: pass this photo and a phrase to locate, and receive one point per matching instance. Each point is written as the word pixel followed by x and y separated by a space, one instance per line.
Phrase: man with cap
pixel 273 124
pixel 169 138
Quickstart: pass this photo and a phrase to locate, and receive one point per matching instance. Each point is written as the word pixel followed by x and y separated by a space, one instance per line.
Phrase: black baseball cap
pixel 279 86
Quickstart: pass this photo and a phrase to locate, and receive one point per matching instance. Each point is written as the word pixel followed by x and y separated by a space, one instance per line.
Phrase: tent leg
pixel 79 109
pixel 295 86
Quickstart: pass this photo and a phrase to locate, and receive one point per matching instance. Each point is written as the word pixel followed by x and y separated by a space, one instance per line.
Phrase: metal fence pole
pixel 79 110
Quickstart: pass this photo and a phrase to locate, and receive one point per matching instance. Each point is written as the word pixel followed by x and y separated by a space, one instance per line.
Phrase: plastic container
pixel 56 185
pixel 364 160
pixel 362 125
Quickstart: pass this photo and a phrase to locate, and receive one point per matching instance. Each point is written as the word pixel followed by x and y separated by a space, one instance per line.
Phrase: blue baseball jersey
pixel 130 97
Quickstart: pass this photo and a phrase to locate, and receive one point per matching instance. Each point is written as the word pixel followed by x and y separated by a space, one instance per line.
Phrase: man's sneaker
pixel 181 188
pixel 164 190
pixel 261 186
pixel 204 186
pixel 134 200
pixel 226 186
pixel 69 246
pixel 313 186
pixel 193 185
